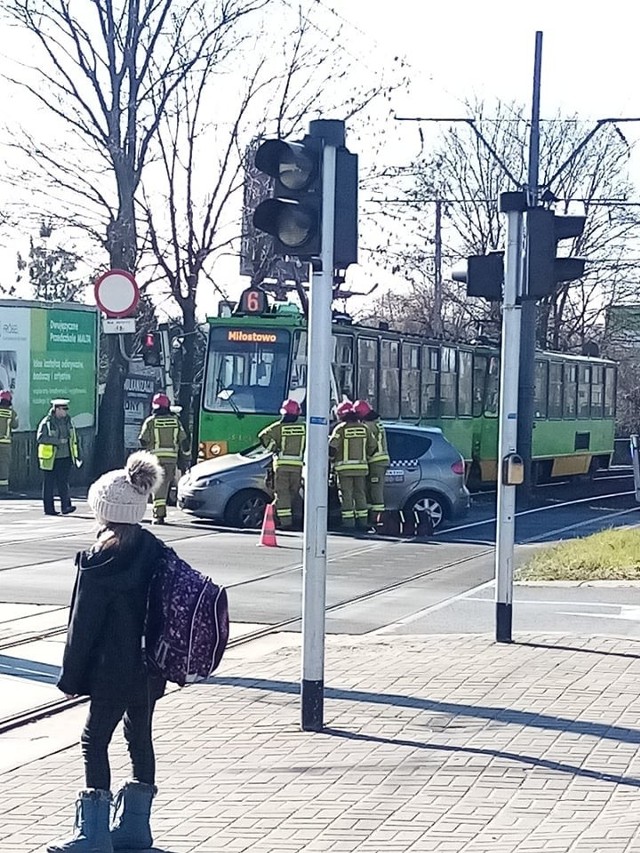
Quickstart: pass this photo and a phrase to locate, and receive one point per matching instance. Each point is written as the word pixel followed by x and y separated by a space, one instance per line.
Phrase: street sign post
pixel 116 293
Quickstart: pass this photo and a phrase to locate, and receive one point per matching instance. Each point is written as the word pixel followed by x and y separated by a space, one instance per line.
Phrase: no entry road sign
pixel 116 293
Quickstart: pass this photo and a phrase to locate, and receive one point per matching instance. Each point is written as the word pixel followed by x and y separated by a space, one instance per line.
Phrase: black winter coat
pixel 103 656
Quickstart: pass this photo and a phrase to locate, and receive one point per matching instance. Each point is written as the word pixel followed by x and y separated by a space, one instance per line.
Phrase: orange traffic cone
pixel 268 533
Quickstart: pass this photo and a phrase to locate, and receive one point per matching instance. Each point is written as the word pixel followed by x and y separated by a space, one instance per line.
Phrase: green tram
pixel 254 361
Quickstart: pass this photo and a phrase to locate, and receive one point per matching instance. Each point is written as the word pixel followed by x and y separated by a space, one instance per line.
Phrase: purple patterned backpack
pixel 187 622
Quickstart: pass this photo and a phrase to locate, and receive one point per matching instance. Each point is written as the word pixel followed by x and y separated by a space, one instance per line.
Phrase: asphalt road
pixel 36 563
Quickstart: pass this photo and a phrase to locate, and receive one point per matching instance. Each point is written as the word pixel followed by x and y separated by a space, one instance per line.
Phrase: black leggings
pixel 104 716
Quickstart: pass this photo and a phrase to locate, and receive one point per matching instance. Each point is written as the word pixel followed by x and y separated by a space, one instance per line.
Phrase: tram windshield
pixel 246 370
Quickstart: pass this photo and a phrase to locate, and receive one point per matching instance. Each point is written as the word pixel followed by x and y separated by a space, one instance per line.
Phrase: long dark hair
pixel 116 537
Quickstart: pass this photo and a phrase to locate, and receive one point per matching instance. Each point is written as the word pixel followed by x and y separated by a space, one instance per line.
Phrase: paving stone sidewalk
pixel 440 744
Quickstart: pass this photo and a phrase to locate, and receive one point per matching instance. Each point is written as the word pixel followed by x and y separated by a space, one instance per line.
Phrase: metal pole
pixel 508 428
pixel 314 566
pixel 634 447
pixel 437 279
pixel 526 397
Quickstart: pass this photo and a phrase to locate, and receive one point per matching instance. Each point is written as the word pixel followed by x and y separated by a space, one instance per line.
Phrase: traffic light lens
pixel 295 226
pixel 295 170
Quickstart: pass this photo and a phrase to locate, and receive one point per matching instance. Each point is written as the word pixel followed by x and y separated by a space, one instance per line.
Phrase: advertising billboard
pixel 49 351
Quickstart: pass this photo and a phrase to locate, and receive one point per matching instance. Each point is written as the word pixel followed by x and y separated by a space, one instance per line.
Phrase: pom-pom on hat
pixel 121 496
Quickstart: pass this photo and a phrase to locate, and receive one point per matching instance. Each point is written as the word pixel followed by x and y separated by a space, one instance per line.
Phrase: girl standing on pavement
pixel 104 659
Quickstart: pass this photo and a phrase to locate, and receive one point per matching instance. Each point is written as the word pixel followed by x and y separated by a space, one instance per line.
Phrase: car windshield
pixel 246 370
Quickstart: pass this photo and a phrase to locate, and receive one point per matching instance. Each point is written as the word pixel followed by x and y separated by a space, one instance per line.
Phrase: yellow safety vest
pixel 287 441
pixel 351 443
pixel 47 452
pixel 163 432
pixel 381 454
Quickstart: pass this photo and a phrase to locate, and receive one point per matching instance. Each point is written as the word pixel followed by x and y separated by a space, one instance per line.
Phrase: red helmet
pixel 161 401
pixel 290 407
pixel 5 397
pixel 344 408
pixel 362 408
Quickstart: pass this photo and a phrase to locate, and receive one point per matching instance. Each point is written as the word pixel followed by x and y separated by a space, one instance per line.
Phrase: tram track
pixel 57 706
pixel 54 707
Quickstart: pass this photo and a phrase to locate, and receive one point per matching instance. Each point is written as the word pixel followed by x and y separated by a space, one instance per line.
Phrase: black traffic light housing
pixel 545 270
pixel 483 275
pixel 294 215
pixel 151 349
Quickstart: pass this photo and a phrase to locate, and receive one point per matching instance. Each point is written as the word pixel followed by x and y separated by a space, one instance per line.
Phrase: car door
pixel 404 472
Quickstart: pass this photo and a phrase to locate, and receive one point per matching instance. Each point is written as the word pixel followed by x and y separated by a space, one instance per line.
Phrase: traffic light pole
pixel 526 400
pixel 513 205
pixel 314 565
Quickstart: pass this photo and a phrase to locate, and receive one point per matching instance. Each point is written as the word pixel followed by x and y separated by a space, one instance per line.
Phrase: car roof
pixel 418 430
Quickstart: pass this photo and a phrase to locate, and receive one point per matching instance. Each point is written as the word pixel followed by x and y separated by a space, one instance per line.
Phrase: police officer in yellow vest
pixel 163 434
pixel 8 424
pixel 350 445
pixel 378 461
pixel 286 438
pixel 57 452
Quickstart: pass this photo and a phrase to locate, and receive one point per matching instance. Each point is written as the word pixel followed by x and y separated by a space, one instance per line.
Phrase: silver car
pixel 426 474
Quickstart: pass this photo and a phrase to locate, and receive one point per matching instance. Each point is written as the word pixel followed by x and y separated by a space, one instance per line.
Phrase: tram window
pixel 541 390
pixel 251 363
pixel 493 387
pixel 584 390
pixel 343 365
pixel 448 382
pixel 430 370
pixel 465 383
pixel 368 371
pixel 479 383
pixel 597 388
pixel 298 378
pixel 555 390
pixel 609 392
pixel 570 391
pixel 389 379
pixel 410 405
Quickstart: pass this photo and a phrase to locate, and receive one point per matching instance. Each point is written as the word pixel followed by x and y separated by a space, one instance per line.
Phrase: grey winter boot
pixel 130 829
pixel 91 825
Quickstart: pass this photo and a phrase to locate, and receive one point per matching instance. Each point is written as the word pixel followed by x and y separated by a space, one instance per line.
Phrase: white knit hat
pixel 121 496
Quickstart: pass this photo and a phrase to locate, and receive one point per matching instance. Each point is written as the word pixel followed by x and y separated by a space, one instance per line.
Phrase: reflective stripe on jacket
pixel 8 422
pixel 381 453
pixel 287 441
pixel 351 444
pixel 163 435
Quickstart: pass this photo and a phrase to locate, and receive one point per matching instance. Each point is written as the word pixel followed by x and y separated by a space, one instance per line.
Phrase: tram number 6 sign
pixel 253 301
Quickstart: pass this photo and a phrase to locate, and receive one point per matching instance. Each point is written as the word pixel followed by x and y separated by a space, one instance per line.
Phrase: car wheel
pixel 430 503
pixel 246 509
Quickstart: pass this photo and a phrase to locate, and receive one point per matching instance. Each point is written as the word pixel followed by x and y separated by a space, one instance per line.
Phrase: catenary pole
pixel 314 565
pixel 513 205
pixel 437 279
pixel 526 395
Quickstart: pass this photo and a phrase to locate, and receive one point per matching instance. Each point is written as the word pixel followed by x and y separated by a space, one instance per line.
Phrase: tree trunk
pixel 185 396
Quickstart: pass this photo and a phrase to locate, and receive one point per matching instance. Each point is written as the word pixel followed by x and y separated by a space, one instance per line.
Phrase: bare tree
pixel 107 70
pixel 203 165
pixel 468 173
